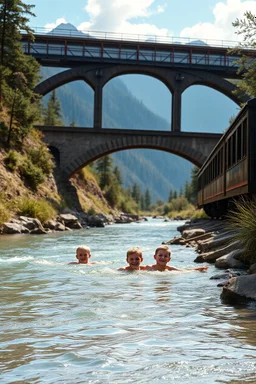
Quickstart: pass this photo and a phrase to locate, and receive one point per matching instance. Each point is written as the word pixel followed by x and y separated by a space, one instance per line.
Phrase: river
pixel 75 324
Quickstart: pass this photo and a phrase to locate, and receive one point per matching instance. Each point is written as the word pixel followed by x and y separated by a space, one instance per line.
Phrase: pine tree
pixel 52 113
pixel 170 196
pixel 117 174
pixel 147 200
pixel 136 194
pixel 104 169
pixel 19 73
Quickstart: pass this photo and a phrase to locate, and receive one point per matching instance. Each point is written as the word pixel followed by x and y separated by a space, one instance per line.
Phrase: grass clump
pixel 242 219
pixel 4 213
pixel 39 209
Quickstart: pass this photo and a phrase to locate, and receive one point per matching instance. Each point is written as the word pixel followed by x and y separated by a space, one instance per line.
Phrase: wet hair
pixel 163 248
pixel 84 247
pixel 132 250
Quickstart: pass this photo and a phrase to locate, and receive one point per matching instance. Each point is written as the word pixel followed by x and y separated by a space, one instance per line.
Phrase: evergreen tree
pixel 194 185
pixel 247 28
pixel 187 192
pixel 136 194
pixel 104 169
pixel 170 196
pixel 147 200
pixel 117 174
pixel 19 73
pixel 52 113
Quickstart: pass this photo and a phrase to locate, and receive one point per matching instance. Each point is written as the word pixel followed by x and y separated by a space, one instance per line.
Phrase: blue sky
pixel 208 19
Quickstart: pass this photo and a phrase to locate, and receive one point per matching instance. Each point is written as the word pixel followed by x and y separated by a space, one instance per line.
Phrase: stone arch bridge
pixel 75 148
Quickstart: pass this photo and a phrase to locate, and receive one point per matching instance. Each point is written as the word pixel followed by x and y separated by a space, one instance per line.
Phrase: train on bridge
pixel 230 170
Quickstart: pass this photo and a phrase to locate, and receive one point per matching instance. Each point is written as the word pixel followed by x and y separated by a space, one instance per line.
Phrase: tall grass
pixel 39 209
pixel 242 219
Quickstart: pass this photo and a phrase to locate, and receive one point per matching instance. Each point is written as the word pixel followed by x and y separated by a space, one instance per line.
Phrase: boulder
pixel 96 221
pixel 252 269
pixel 190 233
pixel 230 260
pixel 31 223
pixel 69 221
pixel 12 228
pixel 242 288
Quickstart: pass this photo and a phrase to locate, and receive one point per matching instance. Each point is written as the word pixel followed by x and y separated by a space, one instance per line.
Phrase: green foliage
pixel 91 211
pixel 42 158
pixel 147 200
pixel 52 113
pixel 104 168
pixel 31 174
pixel 4 213
pixel 247 65
pixel 11 160
pixel 39 209
pixel 19 73
pixel 242 219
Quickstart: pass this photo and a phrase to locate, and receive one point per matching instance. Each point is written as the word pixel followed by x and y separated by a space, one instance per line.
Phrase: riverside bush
pixel 4 213
pixel 31 174
pixel 242 219
pixel 11 160
pixel 39 209
pixel 42 158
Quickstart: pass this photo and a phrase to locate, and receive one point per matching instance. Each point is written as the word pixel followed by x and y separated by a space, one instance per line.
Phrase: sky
pixel 207 19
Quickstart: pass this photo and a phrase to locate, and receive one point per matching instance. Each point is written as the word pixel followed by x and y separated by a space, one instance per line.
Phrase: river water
pixel 70 324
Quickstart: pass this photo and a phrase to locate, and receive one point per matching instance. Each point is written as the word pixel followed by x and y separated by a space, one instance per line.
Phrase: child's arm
pixel 201 269
pixel 169 268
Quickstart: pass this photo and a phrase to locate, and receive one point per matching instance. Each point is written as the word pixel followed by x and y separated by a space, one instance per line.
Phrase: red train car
pixel 230 170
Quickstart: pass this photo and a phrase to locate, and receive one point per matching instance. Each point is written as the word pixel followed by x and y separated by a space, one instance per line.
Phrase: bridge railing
pixel 95 49
pixel 135 37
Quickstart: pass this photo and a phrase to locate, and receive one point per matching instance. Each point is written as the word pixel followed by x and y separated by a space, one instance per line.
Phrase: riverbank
pixel 65 222
pixel 213 241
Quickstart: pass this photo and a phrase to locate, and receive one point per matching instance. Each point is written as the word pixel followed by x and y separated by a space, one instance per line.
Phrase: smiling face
pixel 134 260
pixel 83 255
pixel 162 257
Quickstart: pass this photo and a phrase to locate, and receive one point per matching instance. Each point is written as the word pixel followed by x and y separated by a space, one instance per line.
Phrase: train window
pixel 244 137
pixel 234 144
pixel 239 142
pixel 229 152
pixel 221 160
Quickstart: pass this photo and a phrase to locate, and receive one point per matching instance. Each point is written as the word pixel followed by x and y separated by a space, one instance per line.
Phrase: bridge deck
pixel 65 51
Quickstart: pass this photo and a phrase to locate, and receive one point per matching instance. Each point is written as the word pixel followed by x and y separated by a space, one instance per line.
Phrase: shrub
pixel 11 160
pixel 31 174
pixel 39 209
pixel 42 158
pixel 4 213
pixel 242 219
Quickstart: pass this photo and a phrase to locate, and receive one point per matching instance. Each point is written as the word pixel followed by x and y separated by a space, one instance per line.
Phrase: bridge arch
pixel 174 147
pixel 65 77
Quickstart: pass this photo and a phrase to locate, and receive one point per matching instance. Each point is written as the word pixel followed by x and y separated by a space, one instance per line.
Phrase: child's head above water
pixel 134 257
pixel 83 254
pixel 162 254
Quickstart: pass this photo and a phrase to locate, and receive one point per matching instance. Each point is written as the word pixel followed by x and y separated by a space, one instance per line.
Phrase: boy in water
pixel 83 254
pixel 163 256
pixel 134 259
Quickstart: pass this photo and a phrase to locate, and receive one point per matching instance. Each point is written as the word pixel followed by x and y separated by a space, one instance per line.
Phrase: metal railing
pixel 136 37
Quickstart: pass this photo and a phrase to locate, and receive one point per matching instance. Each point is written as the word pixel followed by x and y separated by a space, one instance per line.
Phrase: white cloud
pixel 59 21
pixel 225 13
pixel 120 16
